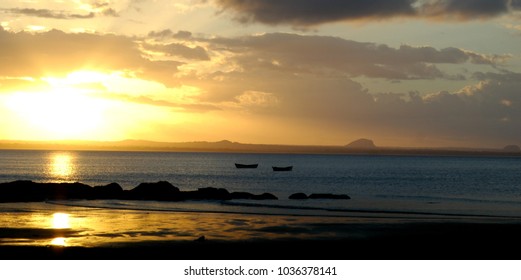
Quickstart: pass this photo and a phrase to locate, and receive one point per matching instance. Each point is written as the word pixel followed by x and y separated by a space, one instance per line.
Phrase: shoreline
pixel 110 234
pixel 424 241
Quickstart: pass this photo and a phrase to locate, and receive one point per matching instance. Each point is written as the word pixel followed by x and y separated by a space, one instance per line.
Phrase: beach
pixel 129 205
pixel 42 230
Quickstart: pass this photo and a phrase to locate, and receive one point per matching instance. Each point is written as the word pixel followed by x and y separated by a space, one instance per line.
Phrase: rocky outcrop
pixel 28 191
pixel 247 195
pixel 512 149
pixel 328 196
pixel 319 196
pixel 361 144
pixel 110 191
pixel 161 191
pixel 265 196
pixel 207 194
pixel 298 196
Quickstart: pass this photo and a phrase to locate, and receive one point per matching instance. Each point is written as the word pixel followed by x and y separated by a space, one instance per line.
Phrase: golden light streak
pixel 62 166
pixel 60 221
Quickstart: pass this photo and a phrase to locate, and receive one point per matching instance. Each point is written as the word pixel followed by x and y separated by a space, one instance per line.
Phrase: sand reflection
pixel 59 225
pixel 59 241
pixel 60 220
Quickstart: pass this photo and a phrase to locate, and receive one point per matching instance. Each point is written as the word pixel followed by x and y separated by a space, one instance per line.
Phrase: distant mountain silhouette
pixel 361 144
pixel 512 148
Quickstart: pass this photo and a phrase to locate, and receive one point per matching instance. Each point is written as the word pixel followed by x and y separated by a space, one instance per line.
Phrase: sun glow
pixel 60 221
pixel 99 106
pixel 59 241
pixel 65 110
pixel 61 166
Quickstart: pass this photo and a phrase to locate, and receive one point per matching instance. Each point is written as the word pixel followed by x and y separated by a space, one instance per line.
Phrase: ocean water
pixel 426 185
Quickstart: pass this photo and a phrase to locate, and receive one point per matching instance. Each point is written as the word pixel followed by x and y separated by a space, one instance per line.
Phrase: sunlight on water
pixel 60 220
pixel 59 241
pixel 61 166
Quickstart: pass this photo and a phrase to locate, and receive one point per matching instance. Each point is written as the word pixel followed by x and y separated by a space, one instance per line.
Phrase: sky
pixel 408 73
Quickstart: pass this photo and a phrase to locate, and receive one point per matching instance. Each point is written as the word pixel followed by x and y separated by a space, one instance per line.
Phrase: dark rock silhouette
pixel 512 148
pixel 242 195
pixel 110 191
pixel 207 194
pixel 328 196
pixel 247 195
pixel 22 191
pixel 161 191
pixel 298 196
pixel 28 191
pixel 361 144
pixel 62 191
pixel 265 196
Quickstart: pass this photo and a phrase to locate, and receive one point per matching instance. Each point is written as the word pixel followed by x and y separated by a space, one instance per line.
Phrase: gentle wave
pixel 254 208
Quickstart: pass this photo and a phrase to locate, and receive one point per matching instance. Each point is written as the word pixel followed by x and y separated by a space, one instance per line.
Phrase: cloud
pixel 312 12
pixel 298 83
pixel 45 13
pixel 307 83
pixel 315 12
pixel 176 49
pixel 336 56
pixel 167 33
pixel 30 55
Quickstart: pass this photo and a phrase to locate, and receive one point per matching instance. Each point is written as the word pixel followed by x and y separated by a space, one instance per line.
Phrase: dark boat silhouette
pixel 279 168
pixel 239 165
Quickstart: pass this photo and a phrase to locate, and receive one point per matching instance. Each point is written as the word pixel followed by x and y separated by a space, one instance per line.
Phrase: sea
pixel 481 186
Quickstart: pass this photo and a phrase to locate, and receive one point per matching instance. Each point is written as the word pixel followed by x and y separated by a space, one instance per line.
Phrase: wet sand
pixel 48 231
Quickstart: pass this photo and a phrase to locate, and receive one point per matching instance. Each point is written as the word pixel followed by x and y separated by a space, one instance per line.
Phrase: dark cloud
pixel 465 9
pixel 167 33
pixel 333 55
pixel 314 12
pixel 180 50
pixel 310 12
pixel 45 13
pixel 516 4
pixel 160 34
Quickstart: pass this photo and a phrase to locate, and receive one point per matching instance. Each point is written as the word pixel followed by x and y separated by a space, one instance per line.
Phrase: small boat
pixel 239 165
pixel 285 168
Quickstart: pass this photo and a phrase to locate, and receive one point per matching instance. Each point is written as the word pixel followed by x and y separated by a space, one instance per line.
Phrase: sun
pixel 66 109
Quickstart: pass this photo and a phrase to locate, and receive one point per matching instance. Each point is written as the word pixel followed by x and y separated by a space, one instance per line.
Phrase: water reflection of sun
pixel 60 221
pixel 61 165
pixel 59 241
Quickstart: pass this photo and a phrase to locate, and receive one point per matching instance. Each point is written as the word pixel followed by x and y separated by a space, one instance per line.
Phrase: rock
pixel 162 190
pixel 328 196
pixel 298 196
pixel 63 191
pixel 264 196
pixel 208 194
pixel 110 191
pixel 242 195
pixel 361 144
pixel 27 191
pixel 22 191
pixel 247 195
